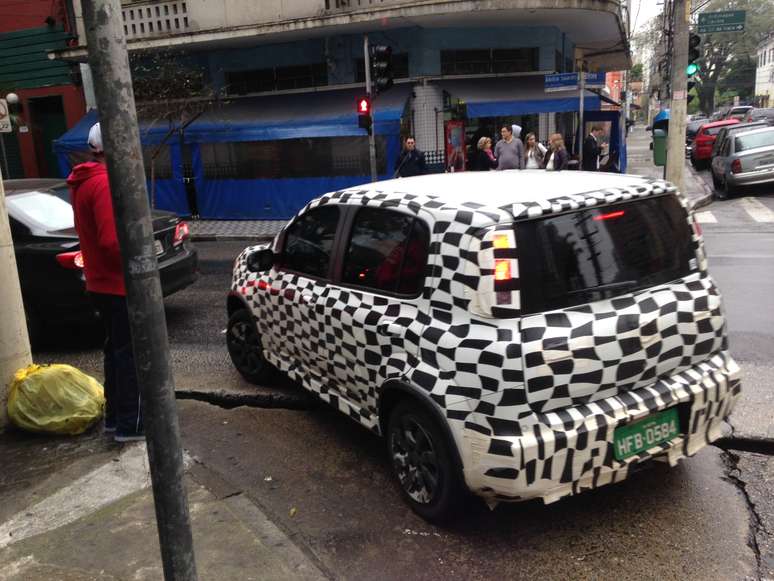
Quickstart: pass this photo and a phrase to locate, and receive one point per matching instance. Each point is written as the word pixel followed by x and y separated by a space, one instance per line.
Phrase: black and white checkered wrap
pixel 531 401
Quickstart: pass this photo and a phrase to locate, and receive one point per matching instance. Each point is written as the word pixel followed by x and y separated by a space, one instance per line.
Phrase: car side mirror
pixel 260 260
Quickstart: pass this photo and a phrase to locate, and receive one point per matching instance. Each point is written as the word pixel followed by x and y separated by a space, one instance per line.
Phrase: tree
pixel 636 72
pixel 726 53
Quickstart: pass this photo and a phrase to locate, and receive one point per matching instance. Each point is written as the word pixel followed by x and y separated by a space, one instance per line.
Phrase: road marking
pixel 706 218
pixel 757 210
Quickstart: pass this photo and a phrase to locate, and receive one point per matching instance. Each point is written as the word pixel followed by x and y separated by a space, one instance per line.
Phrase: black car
pixel 50 263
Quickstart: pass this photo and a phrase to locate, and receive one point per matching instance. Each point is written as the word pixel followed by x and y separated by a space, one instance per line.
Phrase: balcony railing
pixel 148 19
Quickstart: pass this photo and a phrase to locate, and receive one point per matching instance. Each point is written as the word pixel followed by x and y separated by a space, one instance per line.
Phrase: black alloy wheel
pixel 244 347
pixel 423 464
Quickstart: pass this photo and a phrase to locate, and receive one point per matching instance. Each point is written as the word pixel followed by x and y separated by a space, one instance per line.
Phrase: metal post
pixel 6 169
pixel 371 133
pixel 675 162
pixel 14 342
pixel 582 87
pixel 113 86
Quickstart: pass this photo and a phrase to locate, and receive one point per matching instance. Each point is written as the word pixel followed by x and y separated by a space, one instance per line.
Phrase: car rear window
pixel 712 130
pixel 745 142
pixel 589 255
pixel 41 211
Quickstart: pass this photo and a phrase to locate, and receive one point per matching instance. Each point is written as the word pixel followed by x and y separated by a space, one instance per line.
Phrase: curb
pixel 226 400
pixel 705 199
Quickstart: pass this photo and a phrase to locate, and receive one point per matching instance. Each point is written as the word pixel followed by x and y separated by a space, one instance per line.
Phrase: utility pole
pixel 581 104
pixel 121 137
pixel 14 342
pixel 675 162
pixel 371 136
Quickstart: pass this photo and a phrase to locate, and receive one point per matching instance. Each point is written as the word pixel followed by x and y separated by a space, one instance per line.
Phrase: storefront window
pixel 488 61
pixel 276 79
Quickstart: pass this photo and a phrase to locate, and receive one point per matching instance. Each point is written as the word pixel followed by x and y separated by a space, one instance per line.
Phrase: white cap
pixel 95 138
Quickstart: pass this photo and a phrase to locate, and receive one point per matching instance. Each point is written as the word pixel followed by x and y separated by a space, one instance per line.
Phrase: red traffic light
pixel 364 106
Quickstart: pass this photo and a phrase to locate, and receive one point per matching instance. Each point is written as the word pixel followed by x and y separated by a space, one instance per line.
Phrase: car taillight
pixel 502 269
pixel 71 260
pixel 182 231
pixel 736 166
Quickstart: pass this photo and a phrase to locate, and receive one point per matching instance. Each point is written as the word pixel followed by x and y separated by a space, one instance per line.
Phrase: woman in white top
pixel 534 152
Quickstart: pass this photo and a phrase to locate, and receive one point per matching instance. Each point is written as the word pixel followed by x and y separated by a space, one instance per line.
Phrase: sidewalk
pixel 640 160
pixel 81 508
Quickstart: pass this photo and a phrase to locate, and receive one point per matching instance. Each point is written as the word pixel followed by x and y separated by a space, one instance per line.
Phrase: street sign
pixel 726 21
pixel 5 117
pixel 569 81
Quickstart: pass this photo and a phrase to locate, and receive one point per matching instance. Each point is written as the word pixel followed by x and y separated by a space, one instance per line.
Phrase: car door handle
pixel 390 330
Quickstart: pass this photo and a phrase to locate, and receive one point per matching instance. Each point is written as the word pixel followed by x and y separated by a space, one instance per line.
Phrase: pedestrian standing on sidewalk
pixel 102 267
pixel 534 152
pixel 509 151
pixel 411 161
pixel 592 148
pixel 483 159
pixel 556 158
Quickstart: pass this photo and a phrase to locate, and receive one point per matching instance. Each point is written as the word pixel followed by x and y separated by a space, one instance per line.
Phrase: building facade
pixel 291 70
pixel 764 73
pixel 50 96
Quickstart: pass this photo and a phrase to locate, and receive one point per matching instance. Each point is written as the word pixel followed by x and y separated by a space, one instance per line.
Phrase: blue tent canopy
pixel 508 96
pixel 324 114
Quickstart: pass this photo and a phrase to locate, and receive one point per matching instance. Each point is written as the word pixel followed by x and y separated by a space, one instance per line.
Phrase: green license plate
pixel 645 433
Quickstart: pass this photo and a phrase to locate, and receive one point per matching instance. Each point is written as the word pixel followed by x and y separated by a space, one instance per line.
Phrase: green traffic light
pixel 691 69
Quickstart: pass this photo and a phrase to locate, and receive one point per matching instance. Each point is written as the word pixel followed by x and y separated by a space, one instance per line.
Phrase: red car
pixel 701 149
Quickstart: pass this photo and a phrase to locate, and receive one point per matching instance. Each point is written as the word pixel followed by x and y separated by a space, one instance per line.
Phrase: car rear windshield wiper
pixel 609 286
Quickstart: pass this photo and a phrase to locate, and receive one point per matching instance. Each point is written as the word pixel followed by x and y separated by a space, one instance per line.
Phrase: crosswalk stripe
pixel 757 210
pixel 706 217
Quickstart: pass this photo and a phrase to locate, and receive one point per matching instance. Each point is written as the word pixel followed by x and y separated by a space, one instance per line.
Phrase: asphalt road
pixel 705 519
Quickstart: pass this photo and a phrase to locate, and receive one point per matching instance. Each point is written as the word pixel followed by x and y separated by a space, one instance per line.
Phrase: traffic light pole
pixel 675 162
pixel 371 136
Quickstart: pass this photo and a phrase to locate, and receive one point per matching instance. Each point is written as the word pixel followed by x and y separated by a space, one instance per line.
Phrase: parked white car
pixel 518 334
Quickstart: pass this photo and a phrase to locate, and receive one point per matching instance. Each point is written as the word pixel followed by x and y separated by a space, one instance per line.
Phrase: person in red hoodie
pixel 96 227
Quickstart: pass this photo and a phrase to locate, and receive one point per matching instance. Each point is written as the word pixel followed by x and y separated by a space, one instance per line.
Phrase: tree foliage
pixel 727 61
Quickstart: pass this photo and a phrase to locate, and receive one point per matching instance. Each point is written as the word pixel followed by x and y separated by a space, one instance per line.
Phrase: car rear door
pixel 612 299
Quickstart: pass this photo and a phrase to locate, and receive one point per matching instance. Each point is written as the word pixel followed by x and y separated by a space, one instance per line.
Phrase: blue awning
pixel 507 96
pixel 303 115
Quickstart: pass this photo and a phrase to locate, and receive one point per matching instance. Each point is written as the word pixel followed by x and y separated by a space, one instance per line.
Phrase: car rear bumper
pixel 180 271
pixel 565 452
pixel 750 178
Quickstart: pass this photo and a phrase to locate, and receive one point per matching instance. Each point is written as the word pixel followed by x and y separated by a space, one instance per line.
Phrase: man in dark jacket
pixel 592 149
pixel 96 227
pixel 411 161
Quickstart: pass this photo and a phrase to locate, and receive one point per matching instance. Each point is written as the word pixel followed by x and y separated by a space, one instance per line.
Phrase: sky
pixel 642 11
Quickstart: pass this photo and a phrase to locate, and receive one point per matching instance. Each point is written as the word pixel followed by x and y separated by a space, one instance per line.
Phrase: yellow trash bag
pixel 55 399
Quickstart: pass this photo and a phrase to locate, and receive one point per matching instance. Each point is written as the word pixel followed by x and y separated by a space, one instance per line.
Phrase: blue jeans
pixel 122 394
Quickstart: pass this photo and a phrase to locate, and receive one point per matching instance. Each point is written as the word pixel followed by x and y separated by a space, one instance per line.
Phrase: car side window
pixel 387 251
pixel 309 242
pixel 18 230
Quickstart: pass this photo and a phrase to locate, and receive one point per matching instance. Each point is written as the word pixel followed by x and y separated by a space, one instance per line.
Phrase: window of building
pixel 309 242
pixel 276 79
pixel 387 252
pixel 291 158
pixel 400 67
pixel 488 61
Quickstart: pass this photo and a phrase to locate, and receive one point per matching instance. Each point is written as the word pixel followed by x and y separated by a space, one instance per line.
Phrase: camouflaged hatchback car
pixel 517 334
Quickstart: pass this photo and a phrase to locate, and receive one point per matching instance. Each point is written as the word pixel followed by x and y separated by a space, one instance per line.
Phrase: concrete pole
pixel 372 131
pixel 109 62
pixel 14 342
pixel 581 104
pixel 675 162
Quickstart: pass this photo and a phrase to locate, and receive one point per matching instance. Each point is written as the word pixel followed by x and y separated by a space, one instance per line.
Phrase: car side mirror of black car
pixel 260 260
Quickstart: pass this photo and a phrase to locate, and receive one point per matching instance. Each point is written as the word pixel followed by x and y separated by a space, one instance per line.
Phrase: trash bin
pixel 659 147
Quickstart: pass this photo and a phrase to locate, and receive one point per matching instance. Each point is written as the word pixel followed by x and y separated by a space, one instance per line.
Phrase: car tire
pixel 423 463
pixel 728 191
pixel 244 348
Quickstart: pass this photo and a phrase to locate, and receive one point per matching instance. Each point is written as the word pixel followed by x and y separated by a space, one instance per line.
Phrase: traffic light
pixel 364 113
pixel 693 53
pixel 381 67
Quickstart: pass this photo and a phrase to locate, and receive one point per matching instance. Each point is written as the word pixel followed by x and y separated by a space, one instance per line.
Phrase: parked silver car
pixel 729 131
pixel 746 159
